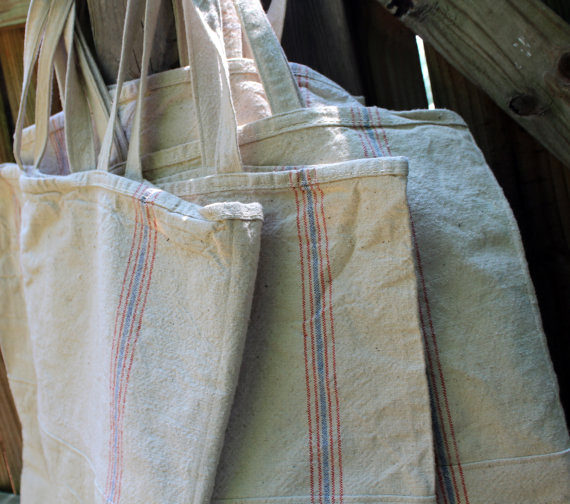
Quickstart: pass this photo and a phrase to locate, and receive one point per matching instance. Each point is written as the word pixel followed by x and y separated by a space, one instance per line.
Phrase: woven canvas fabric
pixel 123 406
pixel 497 423
pixel 15 341
pixel 332 402
pixel 122 293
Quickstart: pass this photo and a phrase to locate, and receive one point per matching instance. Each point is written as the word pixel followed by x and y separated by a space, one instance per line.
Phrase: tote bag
pixel 498 426
pixel 499 430
pixel 137 304
pixel 497 421
pixel 15 342
pixel 332 402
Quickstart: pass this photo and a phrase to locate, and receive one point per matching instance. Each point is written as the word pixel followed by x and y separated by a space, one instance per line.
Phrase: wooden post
pixel 517 52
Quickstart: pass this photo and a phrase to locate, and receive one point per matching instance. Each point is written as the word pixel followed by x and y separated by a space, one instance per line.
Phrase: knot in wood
pixel 525 105
pixel 402 6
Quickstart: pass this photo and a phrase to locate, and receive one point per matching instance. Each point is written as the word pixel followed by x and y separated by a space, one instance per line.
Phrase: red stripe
pixel 312 332
pixel 333 342
pixel 305 337
pixel 364 133
pixel 154 232
pixel 430 369
pixel 430 320
pixel 438 363
pixel 308 93
pixel 325 339
pixel 116 336
pixel 359 131
pixel 383 130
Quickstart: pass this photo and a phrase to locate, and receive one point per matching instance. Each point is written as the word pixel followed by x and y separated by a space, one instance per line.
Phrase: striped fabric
pixel 128 321
pixel 323 408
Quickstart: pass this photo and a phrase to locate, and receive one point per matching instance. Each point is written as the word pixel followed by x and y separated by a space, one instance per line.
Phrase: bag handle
pixel 210 81
pixel 280 86
pixel 35 27
pixel 53 40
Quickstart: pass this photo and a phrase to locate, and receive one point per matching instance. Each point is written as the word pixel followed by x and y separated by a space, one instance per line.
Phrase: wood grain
pixel 13 12
pixel 10 437
pixel 12 65
pixel 517 52
pixel 317 34
pixel 389 60
pixel 107 17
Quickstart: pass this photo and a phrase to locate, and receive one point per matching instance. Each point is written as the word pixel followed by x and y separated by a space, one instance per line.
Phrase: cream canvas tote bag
pixel 137 305
pixel 498 427
pixel 15 343
pixel 332 402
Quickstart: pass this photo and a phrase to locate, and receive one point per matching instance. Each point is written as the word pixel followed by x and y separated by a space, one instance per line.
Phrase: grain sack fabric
pixel 498 426
pixel 332 402
pixel 137 305
pixel 143 290
pixel 15 343
pixel 499 430
pixel 497 422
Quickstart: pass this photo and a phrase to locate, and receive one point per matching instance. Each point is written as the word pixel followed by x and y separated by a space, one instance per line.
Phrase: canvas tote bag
pixel 499 430
pixel 498 427
pixel 332 402
pixel 15 343
pixel 137 304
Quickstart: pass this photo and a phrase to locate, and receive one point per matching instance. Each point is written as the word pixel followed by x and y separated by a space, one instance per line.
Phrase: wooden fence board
pixel 518 52
pixel 537 187
pixel 5 130
pixel 10 437
pixel 12 64
pixel 317 34
pixel 389 60
pixel 13 12
pixel 107 17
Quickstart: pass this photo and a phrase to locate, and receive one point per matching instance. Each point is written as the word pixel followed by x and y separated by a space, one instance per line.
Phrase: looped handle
pixel 35 27
pixel 211 88
pixel 280 86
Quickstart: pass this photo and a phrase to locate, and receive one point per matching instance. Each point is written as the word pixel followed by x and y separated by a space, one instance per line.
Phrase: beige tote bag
pixel 498 425
pixel 15 343
pixel 137 304
pixel 332 402
pixel 499 430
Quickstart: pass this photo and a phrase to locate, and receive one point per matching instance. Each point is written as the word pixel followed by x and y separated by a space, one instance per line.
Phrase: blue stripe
pixel 319 335
pixel 439 445
pixel 377 149
pixel 124 337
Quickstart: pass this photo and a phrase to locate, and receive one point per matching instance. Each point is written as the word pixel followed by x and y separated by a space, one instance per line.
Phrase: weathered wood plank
pixel 12 65
pixel 5 130
pixel 391 71
pixel 537 186
pixel 13 12
pixel 107 17
pixel 10 438
pixel 518 52
pixel 317 34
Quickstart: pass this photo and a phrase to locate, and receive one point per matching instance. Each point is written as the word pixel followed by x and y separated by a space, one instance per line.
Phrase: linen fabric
pixel 497 423
pixel 332 402
pixel 15 341
pixel 137 305
pixel 129 292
